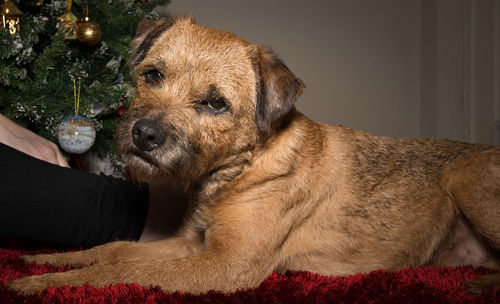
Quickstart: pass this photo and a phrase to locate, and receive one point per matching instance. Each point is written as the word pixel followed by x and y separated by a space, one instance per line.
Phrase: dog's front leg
pixel 186 243
pixel 194 274
pixel 234 255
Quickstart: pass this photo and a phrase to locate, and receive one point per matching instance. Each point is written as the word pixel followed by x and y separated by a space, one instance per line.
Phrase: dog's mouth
pixel 175 157
pixel 141 159
pixel 146 157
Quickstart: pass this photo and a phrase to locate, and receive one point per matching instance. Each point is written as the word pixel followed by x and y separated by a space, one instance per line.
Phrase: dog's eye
pixel 153 77
pixel 216 104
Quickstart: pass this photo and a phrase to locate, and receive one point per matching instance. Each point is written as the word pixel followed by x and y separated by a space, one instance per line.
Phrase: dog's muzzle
pixel 148 134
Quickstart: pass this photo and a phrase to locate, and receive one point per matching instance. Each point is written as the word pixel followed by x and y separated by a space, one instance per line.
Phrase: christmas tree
pixel 44 53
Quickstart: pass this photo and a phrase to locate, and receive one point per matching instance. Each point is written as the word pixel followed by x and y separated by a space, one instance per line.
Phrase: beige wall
pixel 403 68
pixel 460 69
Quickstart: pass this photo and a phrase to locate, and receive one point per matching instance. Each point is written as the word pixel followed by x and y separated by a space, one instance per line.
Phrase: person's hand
pixel 30 143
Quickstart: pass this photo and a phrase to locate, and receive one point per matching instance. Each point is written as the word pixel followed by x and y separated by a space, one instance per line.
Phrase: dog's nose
pixel 148 134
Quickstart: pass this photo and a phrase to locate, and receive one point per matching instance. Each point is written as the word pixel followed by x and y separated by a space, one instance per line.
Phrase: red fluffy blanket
pixel 420 285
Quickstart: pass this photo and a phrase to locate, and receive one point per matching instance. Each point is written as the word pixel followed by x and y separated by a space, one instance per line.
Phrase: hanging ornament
pixel 88 32
pixel 76 133
pixel 10 16
pixel 67 22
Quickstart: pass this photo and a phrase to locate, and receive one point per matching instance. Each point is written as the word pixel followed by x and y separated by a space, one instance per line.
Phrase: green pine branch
pixel 38 66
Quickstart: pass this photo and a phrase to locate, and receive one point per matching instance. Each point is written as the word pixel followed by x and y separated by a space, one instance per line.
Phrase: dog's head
pixel 203 95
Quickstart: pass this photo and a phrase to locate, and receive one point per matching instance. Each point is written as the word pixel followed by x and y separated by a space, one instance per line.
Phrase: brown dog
pixel 271 189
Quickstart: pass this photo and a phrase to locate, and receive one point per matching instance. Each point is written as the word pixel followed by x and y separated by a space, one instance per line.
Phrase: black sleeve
pixel 47 203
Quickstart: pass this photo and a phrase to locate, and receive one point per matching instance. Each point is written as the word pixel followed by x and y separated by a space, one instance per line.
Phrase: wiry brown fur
pixel 272 190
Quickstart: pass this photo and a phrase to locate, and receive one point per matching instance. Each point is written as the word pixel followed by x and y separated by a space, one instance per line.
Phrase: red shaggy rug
pixel 420 285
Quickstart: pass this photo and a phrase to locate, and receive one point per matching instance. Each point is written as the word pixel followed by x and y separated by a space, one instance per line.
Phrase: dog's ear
pixel 277 88
pixel 146 34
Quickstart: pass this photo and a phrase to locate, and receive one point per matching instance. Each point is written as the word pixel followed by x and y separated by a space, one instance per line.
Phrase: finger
pixel 61 161
pixel 55 155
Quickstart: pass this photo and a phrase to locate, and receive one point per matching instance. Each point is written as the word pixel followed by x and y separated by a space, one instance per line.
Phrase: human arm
pixel 30 143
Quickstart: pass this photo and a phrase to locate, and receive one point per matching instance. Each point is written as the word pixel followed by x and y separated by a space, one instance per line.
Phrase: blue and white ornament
pixel 76 134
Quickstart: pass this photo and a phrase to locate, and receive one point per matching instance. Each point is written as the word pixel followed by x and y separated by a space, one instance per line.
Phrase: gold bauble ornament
pixel 10 16
pixel 67 22
pixel 88 32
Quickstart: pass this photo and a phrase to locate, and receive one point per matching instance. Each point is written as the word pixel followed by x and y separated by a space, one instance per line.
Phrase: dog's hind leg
pixel 474 184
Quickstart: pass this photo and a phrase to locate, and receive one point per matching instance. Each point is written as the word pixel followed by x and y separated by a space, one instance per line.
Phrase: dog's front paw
pixel 79 259
pixel 31 285
pixel 40 259
pixel 76 259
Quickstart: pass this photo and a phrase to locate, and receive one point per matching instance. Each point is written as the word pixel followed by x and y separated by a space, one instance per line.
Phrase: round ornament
pixel 76 134
pixel 88 32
